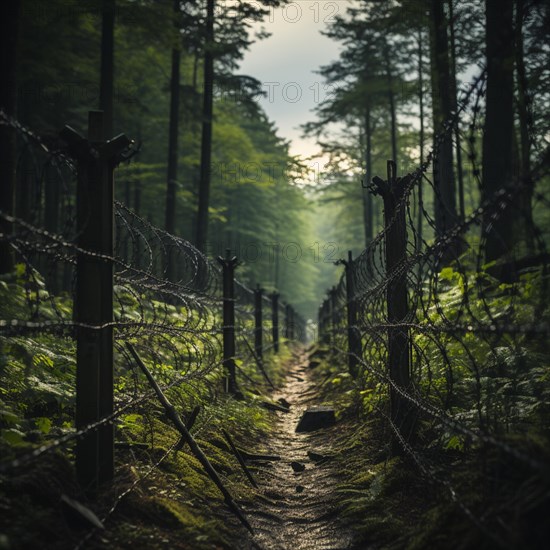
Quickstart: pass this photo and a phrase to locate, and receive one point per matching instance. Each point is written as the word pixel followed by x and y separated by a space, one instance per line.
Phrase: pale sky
pixel 286 61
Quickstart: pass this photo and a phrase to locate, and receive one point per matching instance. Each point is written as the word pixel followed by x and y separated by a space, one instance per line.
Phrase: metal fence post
pixel 228 264
pixel 275 320
pixel 392 192
pixel 93 307
pixel 258 329
pixel 354 337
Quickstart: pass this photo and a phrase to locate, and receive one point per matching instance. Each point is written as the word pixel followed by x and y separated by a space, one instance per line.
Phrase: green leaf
pixel 132 418
pixel 447 274
pixel 42 359
pixel 8 417
pixel 13 436
pixel 456 443
pixel 43 424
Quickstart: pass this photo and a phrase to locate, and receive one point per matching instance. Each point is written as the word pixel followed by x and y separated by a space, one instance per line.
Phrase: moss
pixel 189 519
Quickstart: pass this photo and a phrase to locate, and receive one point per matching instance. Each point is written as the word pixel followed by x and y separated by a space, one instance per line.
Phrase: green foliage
pixel 254 199
pixel 480 365
pixel 498 376
pixel 37 407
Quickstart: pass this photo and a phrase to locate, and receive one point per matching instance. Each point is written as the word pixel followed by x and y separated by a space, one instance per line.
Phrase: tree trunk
pixel 444 184
pixel 52 200
pixel 391 102
pixel 172 173
pixel 206 144
pixel 367 197
pixel 137 182
pixel 454 100
pixel 136 244
pixel 194 126
pixel 393 118
pixel 522 91
pixel 524 121
pixel 106 88
pixel 497 170
pixel 420 213
pixel 9 18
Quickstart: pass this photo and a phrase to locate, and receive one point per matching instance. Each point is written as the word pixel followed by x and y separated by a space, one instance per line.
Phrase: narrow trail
pixel 297 510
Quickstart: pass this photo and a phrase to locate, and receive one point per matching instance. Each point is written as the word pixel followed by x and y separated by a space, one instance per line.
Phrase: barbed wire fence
pixel 71 307
pixel 448 347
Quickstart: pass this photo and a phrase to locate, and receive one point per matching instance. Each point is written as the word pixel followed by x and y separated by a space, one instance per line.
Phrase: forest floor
pixel 298 510
pixel 349 492
pixel 162 499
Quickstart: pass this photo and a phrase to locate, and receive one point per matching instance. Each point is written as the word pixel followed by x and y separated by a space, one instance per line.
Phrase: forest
pixel 210 340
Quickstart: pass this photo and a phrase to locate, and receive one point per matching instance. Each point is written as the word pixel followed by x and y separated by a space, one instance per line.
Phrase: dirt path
pixel 297 509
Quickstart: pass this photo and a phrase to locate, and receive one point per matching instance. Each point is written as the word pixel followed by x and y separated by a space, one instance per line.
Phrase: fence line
pixel 431 330
pixel 174 323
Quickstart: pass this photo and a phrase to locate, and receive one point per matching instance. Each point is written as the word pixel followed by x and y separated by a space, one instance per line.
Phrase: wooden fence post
pixel 392 192
pixel 93 306
pixel 354 337
pixel 320 323
pixel 275 320
pixel 258 321
pixel 228 264
pixel 333 316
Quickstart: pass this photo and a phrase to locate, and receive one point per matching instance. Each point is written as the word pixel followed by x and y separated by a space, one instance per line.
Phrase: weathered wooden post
pixel 392 192
pixel 354 337
pixel 93 306
pixel 258 329
pixel 333 316
pixel 275 320
pixel 228 265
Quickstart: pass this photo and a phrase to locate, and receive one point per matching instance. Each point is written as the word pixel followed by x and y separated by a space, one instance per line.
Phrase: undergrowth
pixel 474 496
pixel 161 496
